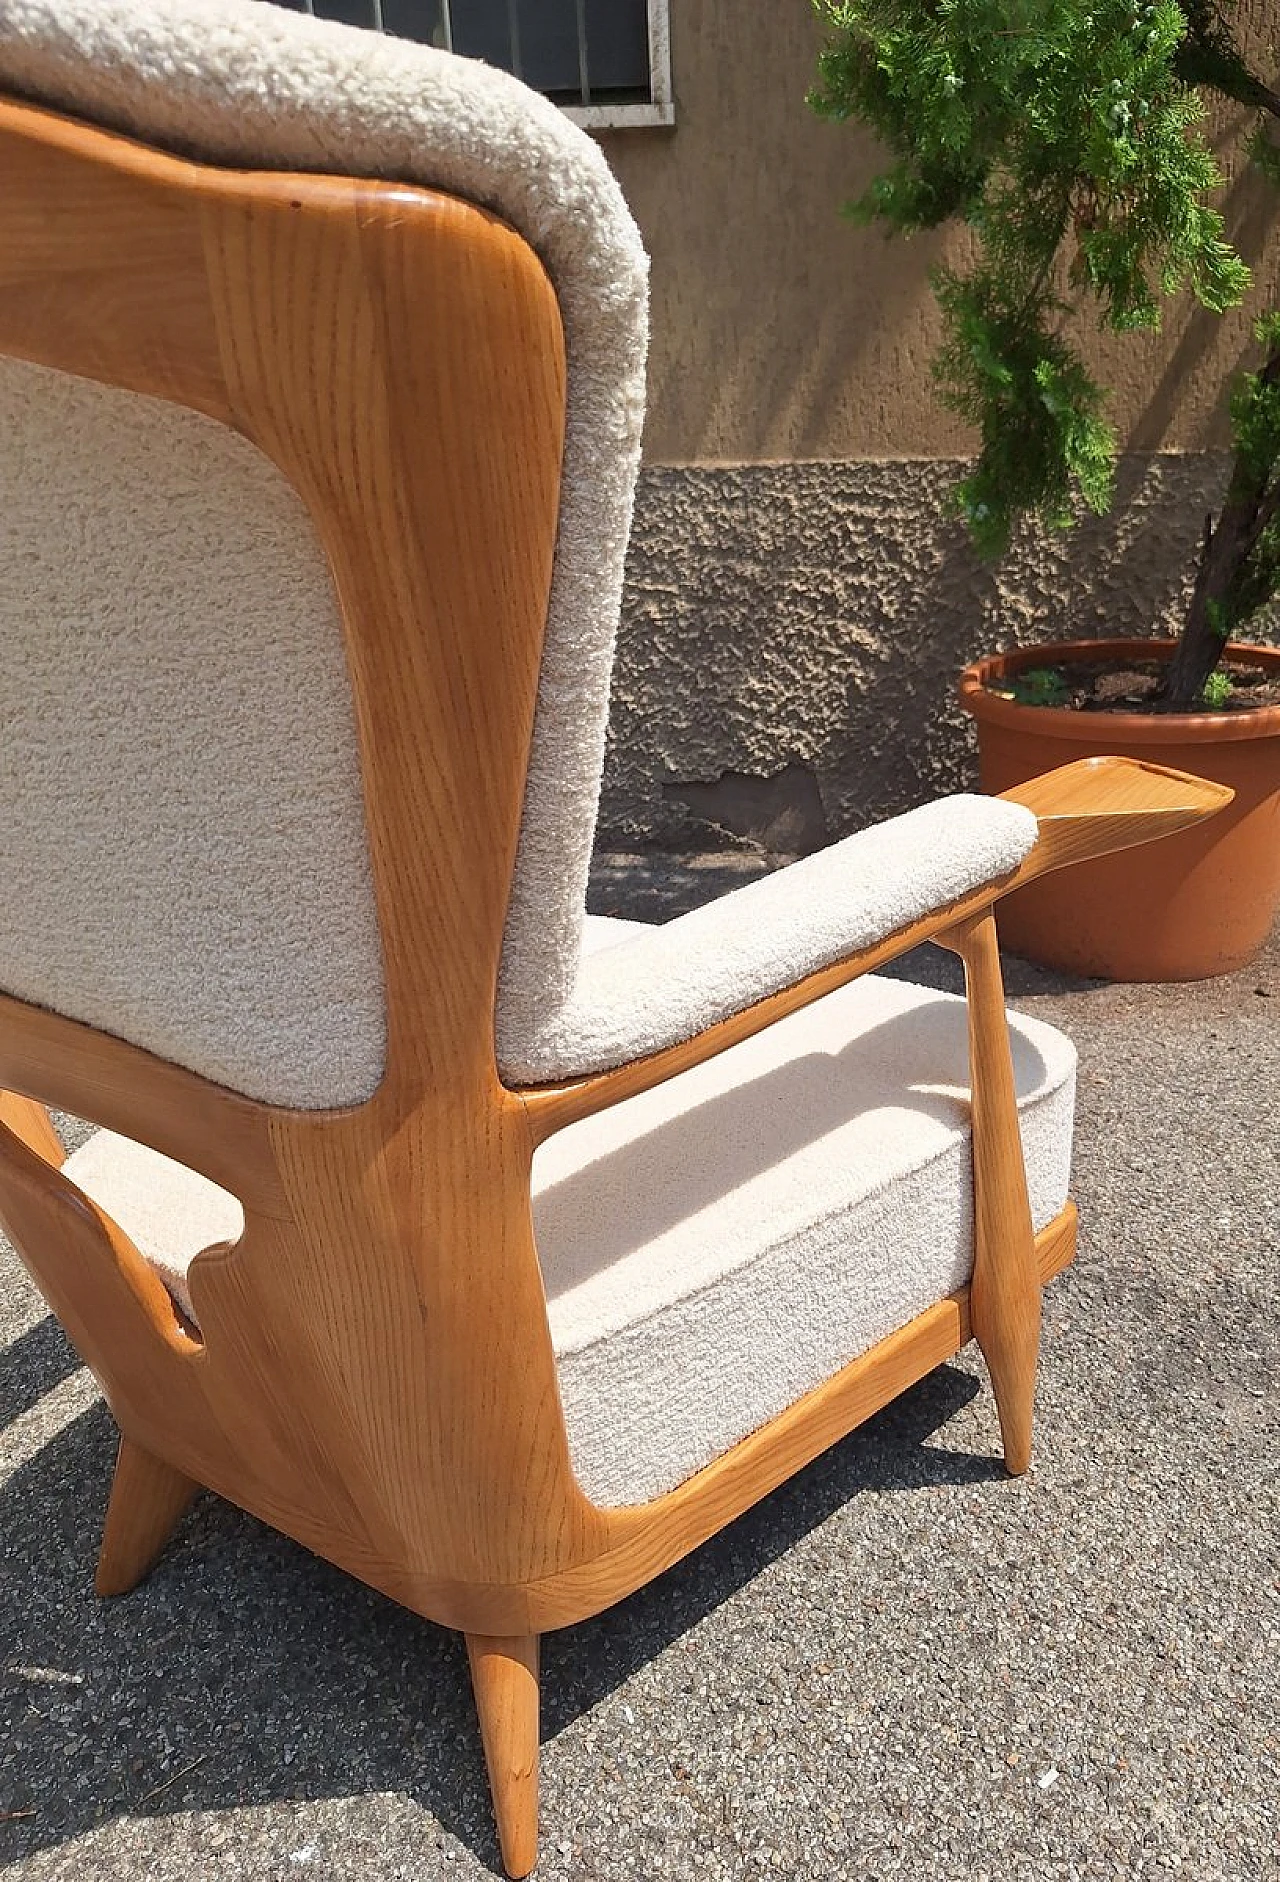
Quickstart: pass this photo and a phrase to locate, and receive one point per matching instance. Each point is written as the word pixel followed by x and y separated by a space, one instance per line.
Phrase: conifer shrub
pixel 1069 138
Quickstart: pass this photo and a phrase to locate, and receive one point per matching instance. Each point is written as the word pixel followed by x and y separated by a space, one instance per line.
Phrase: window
pixel 607 62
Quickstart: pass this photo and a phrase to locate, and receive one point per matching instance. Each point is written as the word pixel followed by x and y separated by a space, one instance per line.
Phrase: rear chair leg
pixel 147 1501
pixel 504 1678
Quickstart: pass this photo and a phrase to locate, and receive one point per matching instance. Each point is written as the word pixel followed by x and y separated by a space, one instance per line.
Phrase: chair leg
pixel 1004 1299
pixel 148 1498
pixel 504 1678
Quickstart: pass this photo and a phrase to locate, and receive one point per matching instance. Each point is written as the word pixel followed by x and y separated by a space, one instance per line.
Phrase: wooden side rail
pixel 101 1289
pixel 1085 809
pixel 126 1089
pixel 32 1126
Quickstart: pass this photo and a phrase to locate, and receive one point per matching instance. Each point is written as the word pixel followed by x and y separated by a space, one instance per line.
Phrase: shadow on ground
pixel 1070 1676
pixel 246 1671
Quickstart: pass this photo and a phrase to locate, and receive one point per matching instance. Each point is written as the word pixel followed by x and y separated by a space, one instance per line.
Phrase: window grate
pixel 605 61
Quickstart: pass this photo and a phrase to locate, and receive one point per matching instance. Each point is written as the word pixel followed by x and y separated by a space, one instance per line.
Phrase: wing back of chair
pixel 187 824
pixel 373 375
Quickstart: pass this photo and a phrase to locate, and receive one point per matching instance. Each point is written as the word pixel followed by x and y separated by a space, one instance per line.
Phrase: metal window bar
pixel 584 73
pixel 513 37
pixel 593 56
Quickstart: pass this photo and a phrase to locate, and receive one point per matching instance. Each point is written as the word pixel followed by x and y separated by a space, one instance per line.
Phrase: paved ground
pixel 900 1665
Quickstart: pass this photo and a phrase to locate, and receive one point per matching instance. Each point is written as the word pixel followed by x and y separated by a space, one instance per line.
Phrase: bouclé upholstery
pixel 720 1245
pixel 243 83
pixel 209 650
pixel 183 854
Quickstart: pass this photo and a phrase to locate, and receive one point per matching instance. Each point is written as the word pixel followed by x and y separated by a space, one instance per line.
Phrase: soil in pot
pixel 1105 686
pixel 1192 905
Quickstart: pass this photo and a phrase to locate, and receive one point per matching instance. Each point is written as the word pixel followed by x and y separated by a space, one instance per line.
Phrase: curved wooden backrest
pixel 376 1376
pixel 398 355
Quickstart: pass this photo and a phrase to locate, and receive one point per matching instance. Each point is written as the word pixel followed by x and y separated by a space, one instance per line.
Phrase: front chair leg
pixel 1004 1298
pixel 148 1498
pixel 504 1678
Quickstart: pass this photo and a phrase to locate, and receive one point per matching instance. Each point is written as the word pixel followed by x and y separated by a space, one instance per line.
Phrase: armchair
pixel 498 1256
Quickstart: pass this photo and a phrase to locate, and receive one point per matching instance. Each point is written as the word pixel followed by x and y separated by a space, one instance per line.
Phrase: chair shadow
pixel 930 966
pixel 31 1366
pixel 246 1672
pixel 914 1062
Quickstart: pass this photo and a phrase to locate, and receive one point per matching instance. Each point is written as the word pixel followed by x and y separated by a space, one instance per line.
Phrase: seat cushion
pixel 171 1214
pixel 716 1247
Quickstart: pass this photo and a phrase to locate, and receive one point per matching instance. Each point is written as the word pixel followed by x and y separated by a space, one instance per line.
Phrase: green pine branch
pixel 1068 135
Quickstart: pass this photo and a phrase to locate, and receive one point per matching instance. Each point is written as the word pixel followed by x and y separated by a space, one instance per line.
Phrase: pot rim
pixel 1141 728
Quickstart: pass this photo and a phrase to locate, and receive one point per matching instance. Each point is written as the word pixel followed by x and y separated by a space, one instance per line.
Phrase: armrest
pixel 665 984
pixel 740 963
pixel 1099 805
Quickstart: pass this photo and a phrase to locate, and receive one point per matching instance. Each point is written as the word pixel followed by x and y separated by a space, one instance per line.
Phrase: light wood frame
pixel 374 1373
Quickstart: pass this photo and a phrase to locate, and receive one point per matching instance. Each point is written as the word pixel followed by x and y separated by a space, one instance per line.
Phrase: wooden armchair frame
pixel 374 1373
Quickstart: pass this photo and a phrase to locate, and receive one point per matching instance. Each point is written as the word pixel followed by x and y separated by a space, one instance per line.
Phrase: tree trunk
pixel 1200 644
pixel 1218 600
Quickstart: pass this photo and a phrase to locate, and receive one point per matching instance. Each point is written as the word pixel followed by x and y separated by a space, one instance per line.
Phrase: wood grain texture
pixel 148 1500
pixel 31 1124
pixel 1004 1294
pixel 504 1678
pixel 1096 806
pixel 388 1248
pixel 120 1086
pixel 101 263
pixel 415 1436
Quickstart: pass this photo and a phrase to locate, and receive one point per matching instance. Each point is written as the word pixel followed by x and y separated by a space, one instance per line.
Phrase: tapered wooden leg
pixel 1004 1300
pixel 147 1500
pixel 504 1678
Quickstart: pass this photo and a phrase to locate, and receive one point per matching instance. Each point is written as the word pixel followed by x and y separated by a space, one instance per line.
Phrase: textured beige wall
pixel 782 332
pixel 792 634
pixel 797 606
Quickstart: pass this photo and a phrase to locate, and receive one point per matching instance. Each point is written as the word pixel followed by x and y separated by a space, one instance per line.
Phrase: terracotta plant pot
pixel 1196 904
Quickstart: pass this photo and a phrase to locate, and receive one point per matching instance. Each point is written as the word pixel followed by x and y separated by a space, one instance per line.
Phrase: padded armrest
pixel 1090 808
pixel 675 981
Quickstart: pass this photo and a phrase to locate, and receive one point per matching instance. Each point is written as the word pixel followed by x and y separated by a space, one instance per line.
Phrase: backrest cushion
pixel 278 941
pixel 182 845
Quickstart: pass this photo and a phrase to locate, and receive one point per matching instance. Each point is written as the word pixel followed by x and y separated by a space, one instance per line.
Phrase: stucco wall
pixel 797 607
pixel 792 634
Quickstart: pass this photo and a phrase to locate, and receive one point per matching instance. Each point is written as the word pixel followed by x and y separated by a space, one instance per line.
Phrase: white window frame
pixel 660 110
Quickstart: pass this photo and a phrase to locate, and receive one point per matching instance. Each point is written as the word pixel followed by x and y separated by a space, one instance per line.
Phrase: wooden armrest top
pixel 1098 805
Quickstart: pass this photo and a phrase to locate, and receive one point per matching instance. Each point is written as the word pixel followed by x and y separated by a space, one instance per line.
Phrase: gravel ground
pixel 901 1664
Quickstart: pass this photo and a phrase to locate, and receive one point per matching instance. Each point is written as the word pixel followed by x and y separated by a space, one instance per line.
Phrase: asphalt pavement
pixel 902 1664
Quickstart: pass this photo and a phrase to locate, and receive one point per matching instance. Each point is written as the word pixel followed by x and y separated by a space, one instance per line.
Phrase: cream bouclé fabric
pixel 714 1248
pixel 718 1246
pixel 667 983
pixel 242 83
pixel 182 847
